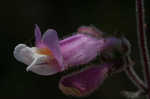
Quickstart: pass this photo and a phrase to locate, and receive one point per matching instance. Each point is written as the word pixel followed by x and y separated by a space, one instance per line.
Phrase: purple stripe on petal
pixel 50 39
pixel 84 82
pixel 37 35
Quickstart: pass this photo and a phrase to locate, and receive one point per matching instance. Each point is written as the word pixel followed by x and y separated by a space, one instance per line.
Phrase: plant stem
pixel 142 42
pixel 133 76
pixel 136 80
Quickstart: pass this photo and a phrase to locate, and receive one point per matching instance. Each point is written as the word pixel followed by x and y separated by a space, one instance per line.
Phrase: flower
pixel 51 55
pixel 45 58
pixel 84 82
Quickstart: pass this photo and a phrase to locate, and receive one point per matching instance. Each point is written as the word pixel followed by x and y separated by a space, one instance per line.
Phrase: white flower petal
pixel 38 63
pixel 41 66
pixel 24 54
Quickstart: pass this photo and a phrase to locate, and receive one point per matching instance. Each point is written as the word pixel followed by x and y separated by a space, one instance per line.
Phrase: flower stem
pixel 136 80
pixel 142 42
pixel 133 76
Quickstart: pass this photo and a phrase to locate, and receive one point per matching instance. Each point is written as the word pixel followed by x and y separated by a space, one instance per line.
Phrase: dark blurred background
pixel 17 19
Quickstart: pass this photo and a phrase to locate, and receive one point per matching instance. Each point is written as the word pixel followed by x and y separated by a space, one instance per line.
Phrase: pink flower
pixel 51 55
pixel 84 82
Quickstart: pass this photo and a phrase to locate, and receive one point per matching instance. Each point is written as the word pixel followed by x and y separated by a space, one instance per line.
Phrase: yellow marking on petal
pixel 70 90
pixel 45 51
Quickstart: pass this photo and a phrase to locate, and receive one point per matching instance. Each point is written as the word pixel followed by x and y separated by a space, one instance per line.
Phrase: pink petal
pixel 50 39
pixel 37 34
pixel 80 49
